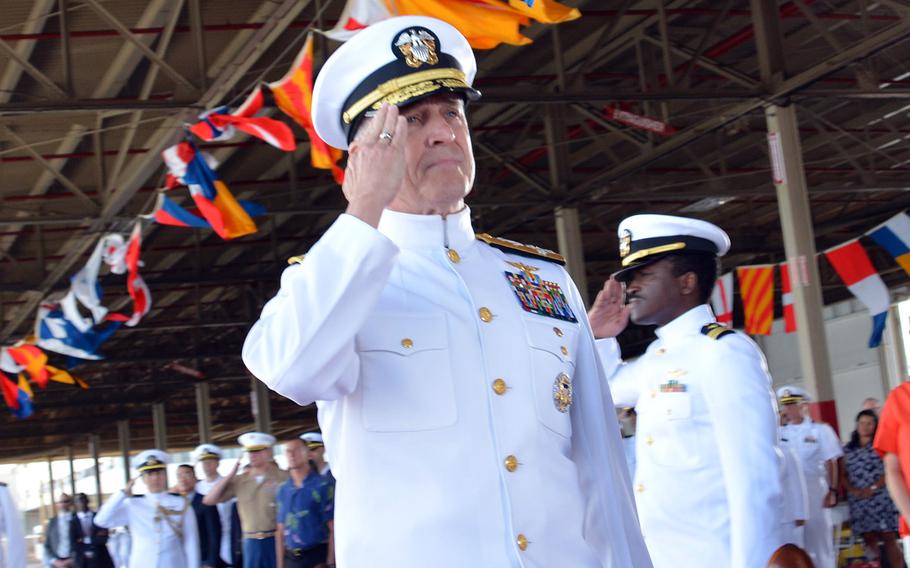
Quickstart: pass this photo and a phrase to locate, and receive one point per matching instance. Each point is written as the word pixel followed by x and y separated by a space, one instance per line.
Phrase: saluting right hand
pixel 376 165
pixel 129 485
pixel 609 314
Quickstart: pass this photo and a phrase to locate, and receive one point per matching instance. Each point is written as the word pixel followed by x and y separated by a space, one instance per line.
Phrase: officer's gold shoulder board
pixel 716 330
pixel 521 249
pixel 296 259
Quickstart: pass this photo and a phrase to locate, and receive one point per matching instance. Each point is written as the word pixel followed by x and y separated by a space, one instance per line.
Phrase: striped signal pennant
pixel 756 286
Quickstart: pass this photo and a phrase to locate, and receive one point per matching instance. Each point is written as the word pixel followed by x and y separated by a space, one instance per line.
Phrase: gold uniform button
pixel 649 440
pixel 661 351
pixel 640 488
pixel 653 394
pixel 522 542
pixel 407 343
pixel 453 256
pixel 486 315
pixel 511 463
pixel 564 349
pixel 557 331
pixel 499 386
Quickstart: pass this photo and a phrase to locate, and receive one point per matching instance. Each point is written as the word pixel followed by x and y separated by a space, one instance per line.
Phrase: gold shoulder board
pixel 716 330
pixel 296 259
pixel 521 249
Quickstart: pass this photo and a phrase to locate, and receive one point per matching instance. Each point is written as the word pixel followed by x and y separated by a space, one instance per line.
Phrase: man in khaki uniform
pixel 255 492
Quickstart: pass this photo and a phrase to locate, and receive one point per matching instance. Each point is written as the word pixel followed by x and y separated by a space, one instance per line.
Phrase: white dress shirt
pixel 203 486
pixel 418 351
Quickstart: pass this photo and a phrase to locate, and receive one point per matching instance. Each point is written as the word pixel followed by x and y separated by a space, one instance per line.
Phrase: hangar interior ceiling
pixel 91 91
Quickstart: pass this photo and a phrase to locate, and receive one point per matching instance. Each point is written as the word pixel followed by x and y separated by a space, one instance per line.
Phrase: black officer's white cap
pixel 644 239
pixel 150 460
pixel 397 61
pixel 792 395
pixel 207 452
pixel 312 439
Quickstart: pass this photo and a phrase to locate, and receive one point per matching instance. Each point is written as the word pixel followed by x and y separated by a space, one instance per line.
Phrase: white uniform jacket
pixel 162 526
pixel 707 482
pixel 11 527
pixel 203 486
pixel 444 404
pixel 796 498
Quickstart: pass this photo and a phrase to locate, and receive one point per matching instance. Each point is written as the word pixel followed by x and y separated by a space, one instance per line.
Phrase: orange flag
pixel 756 286
pixel 33 359
pixel 61 376
pixel 294 96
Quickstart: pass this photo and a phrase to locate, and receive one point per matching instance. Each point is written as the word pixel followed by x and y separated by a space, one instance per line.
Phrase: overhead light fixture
pixel 706 204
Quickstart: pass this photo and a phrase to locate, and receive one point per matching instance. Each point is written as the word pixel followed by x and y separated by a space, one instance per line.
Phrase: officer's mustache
pixel 630 297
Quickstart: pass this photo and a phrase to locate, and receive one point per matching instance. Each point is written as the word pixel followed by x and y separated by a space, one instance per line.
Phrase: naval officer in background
pixel 162 524
pixel 458 387
pixel 707 480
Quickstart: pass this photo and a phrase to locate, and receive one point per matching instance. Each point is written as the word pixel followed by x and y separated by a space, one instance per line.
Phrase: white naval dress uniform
pixel 11 527
pixel 815 443
pixel 203 486
pixel 796 498
pixel 436 401
pixel 707 479
pixel 155 542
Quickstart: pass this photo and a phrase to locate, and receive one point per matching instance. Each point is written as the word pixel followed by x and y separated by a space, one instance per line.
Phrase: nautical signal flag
pixel 756 286
pixel 894 236
pixel 485 23
pixel 787 299
pixel 221 124
pixel 15 397
pixel 139 292
pixel 32 360
pixel 213 198
pixel 722 299
pixel 852 264
pixel 168 212
pixel 294 96
pixel 54 332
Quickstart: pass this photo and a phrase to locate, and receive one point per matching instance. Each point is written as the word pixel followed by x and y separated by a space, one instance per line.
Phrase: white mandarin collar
pixel 425 232
pixel 689 323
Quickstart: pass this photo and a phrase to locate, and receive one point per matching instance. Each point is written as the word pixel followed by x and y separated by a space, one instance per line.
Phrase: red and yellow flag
pixel 33 359
pixel 294 96
pixel 756 286
pixel 61 376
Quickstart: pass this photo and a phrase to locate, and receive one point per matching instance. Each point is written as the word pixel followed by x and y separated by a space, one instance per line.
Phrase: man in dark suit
pixel 90 540
pixel 206 518
pixel 60 535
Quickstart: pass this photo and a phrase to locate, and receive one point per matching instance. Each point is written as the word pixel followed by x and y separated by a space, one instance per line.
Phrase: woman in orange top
pixel 892 442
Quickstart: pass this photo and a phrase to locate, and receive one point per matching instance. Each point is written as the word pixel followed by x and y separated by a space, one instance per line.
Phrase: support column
pixel 93 447
pixel 203 413
pixel 159 424
pixel 50 484
pixel 123 439
pixel 799 245
pixel 568 235
pixel 69 457
pixel 895 370
pixel 262 406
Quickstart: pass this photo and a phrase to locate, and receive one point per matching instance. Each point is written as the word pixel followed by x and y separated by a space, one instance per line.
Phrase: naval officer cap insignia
pixel 792 395
pixel 256 441
pixel 150 460
pixel 313 440
pixel 397 61
pixel 207 452
pixel 644 239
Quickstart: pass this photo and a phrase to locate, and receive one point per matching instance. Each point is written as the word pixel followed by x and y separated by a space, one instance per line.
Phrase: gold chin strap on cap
pixel 649 251
pixel 456 79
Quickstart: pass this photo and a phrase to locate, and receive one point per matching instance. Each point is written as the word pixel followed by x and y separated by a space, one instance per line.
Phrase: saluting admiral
pixel 162 525
pixel 456 378
pixel 707 480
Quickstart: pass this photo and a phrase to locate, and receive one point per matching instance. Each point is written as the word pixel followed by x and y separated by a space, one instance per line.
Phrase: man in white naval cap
pixel 209 455
pixel 707 482
pixel 255 491
pixel 316 450
pixel 162 524
pixel 818 449
pixel 458 388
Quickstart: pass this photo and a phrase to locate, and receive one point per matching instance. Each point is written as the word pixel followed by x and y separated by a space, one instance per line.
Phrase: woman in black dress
pixel 872 513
